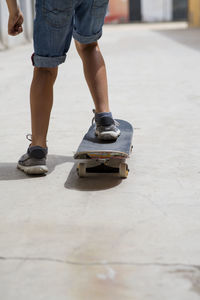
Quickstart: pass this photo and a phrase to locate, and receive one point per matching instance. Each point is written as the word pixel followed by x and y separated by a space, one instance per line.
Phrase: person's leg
pixel 41 101
pixel 95 74
pixel 53 26
pixel 88 23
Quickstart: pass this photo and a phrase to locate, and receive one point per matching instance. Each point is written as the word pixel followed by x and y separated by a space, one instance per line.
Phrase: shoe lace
pixel 93 119
pixel 29 137
pixel 116 123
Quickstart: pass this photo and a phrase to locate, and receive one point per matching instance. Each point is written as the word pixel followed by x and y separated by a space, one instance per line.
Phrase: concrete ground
pixel 62 237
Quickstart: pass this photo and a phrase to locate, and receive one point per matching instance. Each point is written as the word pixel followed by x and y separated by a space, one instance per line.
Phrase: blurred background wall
pixel 119 11
pixel 147 10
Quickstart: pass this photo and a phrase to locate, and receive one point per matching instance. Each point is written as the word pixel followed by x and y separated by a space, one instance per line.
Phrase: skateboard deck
pixel 105 156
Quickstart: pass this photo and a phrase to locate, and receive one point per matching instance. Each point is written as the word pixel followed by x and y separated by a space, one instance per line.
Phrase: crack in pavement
pixel 98 263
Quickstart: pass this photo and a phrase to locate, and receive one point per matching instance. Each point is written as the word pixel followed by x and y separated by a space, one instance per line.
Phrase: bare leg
pixel 95 74
pixel 41 101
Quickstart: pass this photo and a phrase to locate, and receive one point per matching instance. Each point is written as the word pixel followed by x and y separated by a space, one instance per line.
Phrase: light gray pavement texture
pixel 103 238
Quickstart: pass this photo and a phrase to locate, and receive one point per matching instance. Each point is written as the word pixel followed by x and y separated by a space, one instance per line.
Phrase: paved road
pixel 102 238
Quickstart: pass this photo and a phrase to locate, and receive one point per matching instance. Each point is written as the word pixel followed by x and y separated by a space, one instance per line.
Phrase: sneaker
pixel 106 126
pixel 33 162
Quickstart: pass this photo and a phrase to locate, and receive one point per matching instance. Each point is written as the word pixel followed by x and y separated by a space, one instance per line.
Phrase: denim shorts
pixel 55 23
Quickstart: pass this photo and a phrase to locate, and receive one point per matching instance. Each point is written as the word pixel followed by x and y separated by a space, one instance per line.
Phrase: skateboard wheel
pixel 81 170
pixel 123 170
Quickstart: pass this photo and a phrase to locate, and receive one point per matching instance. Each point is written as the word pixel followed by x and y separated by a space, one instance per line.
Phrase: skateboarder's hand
pixel 15 23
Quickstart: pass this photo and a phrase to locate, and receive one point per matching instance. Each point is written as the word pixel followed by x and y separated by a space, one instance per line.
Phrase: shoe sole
pixel 108 135
pixel 33 170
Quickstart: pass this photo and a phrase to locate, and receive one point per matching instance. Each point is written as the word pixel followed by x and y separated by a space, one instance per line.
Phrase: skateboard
pixel 99 156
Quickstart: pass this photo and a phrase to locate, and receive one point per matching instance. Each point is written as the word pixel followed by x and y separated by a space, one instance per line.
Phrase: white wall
pixel 8 41
pixel 156 10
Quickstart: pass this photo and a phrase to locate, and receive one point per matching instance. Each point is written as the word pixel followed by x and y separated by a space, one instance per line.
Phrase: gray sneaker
pixel 106 127
pixel 33 162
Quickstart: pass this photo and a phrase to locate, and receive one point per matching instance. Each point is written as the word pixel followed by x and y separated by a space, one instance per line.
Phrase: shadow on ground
pixel 9 171
pixel 189 37
pixel 94 182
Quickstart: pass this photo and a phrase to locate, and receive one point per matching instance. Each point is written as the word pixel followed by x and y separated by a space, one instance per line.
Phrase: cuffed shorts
pixel 55 23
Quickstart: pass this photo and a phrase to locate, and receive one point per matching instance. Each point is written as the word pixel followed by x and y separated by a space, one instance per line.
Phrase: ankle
pixel 38 143
pixel 102 115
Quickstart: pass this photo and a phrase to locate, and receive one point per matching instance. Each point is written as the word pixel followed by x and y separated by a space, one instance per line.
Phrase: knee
pixel 82 48
pixel 47 73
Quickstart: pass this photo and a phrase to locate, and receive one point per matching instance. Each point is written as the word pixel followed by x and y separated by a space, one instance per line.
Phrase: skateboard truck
pixel 122 169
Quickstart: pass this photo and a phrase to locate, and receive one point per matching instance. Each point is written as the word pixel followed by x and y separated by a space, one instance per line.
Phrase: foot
pixel 106 127
pixel 33 162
